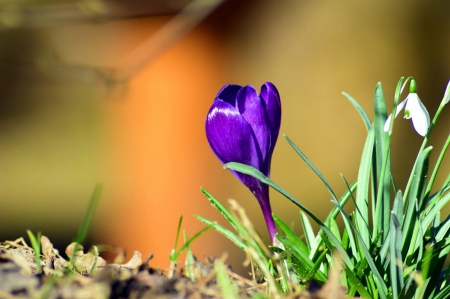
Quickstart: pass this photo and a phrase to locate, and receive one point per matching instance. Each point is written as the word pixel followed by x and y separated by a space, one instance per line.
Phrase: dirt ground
pixel 90 276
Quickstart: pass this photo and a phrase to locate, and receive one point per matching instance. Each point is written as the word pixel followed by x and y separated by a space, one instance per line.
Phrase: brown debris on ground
pixel 88 275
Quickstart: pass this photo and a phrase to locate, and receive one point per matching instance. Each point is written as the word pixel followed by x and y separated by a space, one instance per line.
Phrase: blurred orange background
pixel 117 94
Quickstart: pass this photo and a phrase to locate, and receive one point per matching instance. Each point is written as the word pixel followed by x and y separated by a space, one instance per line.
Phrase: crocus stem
pixel 264 202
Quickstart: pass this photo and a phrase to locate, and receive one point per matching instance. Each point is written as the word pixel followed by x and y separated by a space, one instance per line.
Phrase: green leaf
pixel 228 234
pixel 36 245
pixel 377 277
pixel 225 213
pixel 444 293
pixel 309 163
pixel 310 237
pixel 420 178
pixel 318 263
pixel 290 235
pixel 188 242
pixel 87 220
pixel 437 166
pixel 348 228
pixel 436 209
pixel 362 193
pixel 443 230
pixel 360 110
pixel 396 256
pixel 334 228
pixel 306 265
pixel 353 281
pixel 177 236
pixel 416 196
pixel 382 173
pixel 245 169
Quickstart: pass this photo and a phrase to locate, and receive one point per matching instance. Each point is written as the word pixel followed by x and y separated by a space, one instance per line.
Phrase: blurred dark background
pixel 117 92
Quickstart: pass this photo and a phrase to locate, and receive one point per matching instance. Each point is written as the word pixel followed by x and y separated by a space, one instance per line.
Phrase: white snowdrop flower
pixel 415 110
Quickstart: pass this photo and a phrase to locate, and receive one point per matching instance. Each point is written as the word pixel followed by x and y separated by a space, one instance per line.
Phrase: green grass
pixel 395 251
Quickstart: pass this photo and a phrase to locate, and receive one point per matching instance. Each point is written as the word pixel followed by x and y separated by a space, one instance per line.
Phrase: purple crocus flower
pixel 243 127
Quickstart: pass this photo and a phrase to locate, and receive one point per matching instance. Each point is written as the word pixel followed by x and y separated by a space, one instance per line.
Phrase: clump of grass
pixel 396 251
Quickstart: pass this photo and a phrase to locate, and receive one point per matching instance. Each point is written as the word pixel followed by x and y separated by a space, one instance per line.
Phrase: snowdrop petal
pixel 419 114
pixel 400 106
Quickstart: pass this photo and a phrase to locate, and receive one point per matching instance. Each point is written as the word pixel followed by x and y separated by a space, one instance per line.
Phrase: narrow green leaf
pixel 397 208
pixel 377 277
pixel 395 256
pixel 444 293
pixel 348 228
pixel 190 260
pixel 343 199
pixel 443 230
pixel 333 244
pixel 437 166
pixel 420 176
pixel 334 228
pixel 382 173
pixel 309 163
pixel 225 213
pixel 432 200
pixel 228 234
pixel 87 220
pixel 290 235
pixel 305 261
pixel 362 193
pixel 188 242
pixel 434 210
pixel 416 194
pixel 245 169
pixel 177 236
pixel 309 233
pixel 353 281
pixel 360 110
pixel 318 263
pixel 36 245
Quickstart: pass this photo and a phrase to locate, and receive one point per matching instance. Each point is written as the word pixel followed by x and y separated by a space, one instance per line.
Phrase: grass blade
pixel 84 227
pixel 377 277
pixel 227 233
pixel 245 169
pixel 307 161
pixel 396 256
pixel 290 235
pixel 36 245
pixel 225 213
pixel 437 166
pixel 360 110
pixel 310 237
pixel 362 193
pixel 382 173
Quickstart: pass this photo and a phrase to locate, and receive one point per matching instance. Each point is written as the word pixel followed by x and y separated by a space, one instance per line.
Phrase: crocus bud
pixel 243 127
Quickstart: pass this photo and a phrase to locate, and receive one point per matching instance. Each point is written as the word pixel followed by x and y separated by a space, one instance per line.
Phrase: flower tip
pixel 446 98
pixel 413 86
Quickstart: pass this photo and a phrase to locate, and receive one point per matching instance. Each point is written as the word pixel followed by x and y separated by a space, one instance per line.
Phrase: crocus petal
pixel 245 97
pixel 271 97
pixel 231 139
pixel 400 106
pixel 228 94
pixel 255 115
pixel 419 114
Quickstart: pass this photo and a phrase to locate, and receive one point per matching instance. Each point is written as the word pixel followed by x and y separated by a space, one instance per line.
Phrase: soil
pixel 90 276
